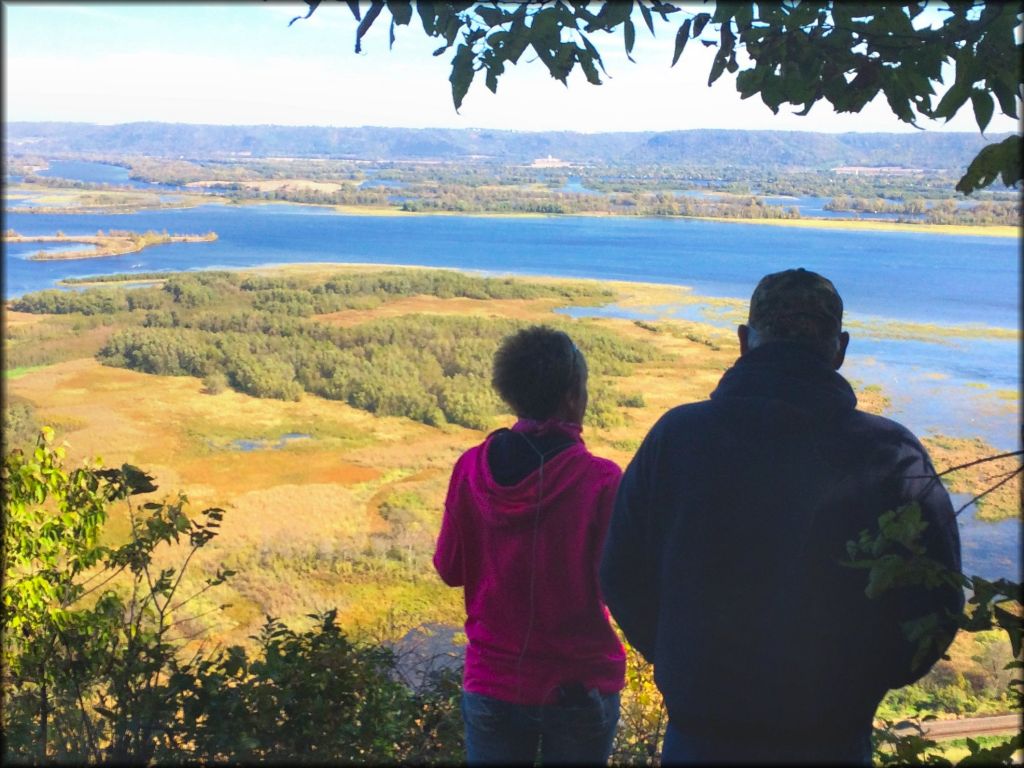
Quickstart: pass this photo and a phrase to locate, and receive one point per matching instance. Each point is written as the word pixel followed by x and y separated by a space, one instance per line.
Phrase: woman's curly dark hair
pixel 533 369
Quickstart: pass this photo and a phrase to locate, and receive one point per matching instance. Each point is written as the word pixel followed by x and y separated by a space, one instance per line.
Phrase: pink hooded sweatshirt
pixel 535 619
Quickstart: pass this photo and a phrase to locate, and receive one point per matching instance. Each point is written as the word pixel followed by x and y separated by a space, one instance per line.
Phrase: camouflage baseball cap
pixel 796 303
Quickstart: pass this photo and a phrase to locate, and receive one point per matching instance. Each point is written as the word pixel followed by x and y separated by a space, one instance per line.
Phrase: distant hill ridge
pixel 713 148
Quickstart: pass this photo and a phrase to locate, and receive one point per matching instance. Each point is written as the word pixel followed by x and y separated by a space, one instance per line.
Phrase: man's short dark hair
pixel 533 369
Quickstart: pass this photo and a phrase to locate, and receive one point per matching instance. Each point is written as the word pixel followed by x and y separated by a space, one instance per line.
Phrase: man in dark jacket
pixel 722 564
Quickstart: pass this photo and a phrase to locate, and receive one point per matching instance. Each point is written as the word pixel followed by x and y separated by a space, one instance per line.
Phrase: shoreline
pixel 104 246
pixel 860 225
pixel 907 329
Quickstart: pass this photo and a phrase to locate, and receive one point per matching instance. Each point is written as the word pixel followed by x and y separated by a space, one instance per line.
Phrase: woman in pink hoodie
pixel 524 524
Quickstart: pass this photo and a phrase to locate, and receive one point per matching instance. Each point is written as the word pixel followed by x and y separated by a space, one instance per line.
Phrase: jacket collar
pixel 787 372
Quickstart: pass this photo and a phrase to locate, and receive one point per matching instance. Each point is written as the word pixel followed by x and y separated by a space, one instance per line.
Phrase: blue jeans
pixel 686 749
pixel 501 732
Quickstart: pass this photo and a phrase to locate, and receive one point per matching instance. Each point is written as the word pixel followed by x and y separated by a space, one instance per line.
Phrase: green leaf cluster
pixel 89 641
pixel 895 558
pixel 315 696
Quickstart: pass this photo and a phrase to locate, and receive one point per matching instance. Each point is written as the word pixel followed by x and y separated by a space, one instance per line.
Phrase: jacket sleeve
pixel 448 557
pixel 629 574
pixel 941 539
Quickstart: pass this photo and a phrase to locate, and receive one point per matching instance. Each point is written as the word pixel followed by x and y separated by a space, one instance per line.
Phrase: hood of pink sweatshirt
pixel 539 492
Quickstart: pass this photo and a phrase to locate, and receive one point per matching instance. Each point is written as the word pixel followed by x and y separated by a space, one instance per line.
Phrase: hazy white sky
pixel 240 63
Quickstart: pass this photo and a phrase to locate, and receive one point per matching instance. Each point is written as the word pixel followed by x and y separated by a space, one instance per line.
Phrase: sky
pixel 241 63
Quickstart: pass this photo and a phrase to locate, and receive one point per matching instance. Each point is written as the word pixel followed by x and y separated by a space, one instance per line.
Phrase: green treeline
pixel 260 336
pixel 356 290
pixel 62 183
pixel 121 277
pixel 942 212
pixel 460 198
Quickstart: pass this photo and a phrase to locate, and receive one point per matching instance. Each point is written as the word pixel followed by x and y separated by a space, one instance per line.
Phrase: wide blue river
pixel 948 384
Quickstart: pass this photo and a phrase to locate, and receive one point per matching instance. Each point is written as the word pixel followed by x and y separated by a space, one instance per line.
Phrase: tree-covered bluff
pixel 709 148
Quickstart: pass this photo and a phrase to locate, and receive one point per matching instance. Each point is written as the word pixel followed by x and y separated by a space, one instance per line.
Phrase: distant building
pixel 549 162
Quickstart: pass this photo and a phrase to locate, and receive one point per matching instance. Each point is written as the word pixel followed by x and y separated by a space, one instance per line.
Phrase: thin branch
pixel 98 586
pixel 1001 475
pixel 96 575
pixel 193 618
pixel 181 575
pixel 81 701
pixel 135 580
pixel 986 492
pixel 199 653
pixel 958 467
pixel 193 596
pixel 194 635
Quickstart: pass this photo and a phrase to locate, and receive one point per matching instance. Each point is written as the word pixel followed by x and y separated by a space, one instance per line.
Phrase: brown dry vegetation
pixel 519 309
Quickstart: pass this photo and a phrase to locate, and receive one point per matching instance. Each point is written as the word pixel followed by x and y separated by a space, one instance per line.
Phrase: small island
pixel 116 242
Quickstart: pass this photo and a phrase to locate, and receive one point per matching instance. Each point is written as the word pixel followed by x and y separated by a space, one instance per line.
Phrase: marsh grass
pixel 933 333
pixel 30 345
pixel 1002 503
pixel 346 518
pixel 871 397
pixel 121 200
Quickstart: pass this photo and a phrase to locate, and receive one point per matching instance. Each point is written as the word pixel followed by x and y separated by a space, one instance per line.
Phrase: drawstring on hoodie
pixel 533 552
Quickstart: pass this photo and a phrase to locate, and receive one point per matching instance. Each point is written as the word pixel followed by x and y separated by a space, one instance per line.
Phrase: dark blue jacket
pixel 721 564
